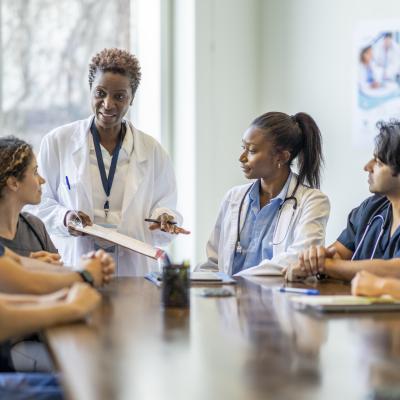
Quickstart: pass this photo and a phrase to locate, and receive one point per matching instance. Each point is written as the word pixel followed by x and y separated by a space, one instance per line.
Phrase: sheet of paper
pixel 121 239
pixel 340 300
pixel 204 276
pixel 267 268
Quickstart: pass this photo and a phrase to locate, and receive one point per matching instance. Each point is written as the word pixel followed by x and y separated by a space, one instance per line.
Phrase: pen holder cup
pixel 175 287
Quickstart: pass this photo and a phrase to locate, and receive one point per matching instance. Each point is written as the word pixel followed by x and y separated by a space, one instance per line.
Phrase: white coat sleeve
pixel 214 241
pixel 50 211
pixel 165 195
pixel 308 231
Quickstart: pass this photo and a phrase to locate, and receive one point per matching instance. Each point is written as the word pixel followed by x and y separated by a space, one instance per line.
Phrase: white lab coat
pixel 303 228
pixel 150 190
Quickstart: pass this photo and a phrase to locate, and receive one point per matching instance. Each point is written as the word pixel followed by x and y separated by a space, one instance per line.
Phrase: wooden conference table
pixel 250 346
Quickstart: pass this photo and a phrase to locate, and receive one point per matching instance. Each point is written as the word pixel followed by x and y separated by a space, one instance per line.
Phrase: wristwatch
pixel 87 277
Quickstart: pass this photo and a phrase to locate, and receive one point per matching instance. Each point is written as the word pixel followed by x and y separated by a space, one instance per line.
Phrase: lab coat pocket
pixel 68 194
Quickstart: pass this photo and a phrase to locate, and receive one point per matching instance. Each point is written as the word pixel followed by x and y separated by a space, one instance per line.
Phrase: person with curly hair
pixel 103 170
pixel 20 184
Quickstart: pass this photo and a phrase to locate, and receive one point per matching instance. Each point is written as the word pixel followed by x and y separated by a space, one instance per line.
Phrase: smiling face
pixel 381 179
pixel 259 158
pixel 111 96
pixel 28 190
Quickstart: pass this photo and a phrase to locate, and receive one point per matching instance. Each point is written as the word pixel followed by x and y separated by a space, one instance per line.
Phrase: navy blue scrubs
pixel 387 247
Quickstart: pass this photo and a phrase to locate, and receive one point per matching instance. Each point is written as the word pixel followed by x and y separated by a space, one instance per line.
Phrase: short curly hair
pixel 15 157
pixel 118 61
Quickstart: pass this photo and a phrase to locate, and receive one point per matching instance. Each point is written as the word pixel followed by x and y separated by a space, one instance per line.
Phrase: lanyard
pixel 106 181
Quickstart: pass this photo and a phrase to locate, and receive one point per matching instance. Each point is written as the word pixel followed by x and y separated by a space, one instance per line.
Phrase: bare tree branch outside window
pixel 46 46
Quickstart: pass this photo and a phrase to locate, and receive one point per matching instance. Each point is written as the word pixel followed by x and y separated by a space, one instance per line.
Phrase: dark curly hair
pixel 387 144
pixel 15 157
pixel 118 61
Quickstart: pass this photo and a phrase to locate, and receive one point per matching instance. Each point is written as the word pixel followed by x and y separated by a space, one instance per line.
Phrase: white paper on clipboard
pixel 120 239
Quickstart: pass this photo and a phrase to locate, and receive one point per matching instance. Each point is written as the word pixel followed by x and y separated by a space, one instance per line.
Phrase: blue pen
pixel 77 217
pixel 311 292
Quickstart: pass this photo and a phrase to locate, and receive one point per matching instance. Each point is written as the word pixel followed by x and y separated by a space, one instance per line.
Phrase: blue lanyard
pixel 106 181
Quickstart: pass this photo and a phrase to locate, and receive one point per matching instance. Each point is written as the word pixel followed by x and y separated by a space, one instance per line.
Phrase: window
pixel 46 46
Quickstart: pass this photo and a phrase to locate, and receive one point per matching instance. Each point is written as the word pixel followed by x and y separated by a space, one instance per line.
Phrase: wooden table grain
pixel 249 346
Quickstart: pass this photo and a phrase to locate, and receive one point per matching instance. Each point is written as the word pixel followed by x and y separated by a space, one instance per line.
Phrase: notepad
pixel 267 268
pixel 206 278
pixel 345 303
pixel 122 240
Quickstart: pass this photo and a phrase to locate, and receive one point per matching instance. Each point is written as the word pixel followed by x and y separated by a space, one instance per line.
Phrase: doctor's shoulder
pixel 236 193
pixel 312 196
pixel 369 206
pixel 64 133
pixel 143 142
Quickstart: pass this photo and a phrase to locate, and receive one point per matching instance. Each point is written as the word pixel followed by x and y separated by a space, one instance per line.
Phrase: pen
pixel 78 218
pixel 310 292
pixel 67 182
pixel 159 222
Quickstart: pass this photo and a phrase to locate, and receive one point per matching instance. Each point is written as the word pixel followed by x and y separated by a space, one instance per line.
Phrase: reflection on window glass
pixel 46 48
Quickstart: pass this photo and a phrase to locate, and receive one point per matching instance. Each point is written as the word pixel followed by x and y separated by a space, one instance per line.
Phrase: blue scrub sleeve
pixel 348 237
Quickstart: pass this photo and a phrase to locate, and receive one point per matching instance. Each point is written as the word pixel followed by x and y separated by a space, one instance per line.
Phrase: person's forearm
pixel 391 287
pixel 38 265
pixel 22 319
pixel 346 269
pixel 14 278
pixel 33 298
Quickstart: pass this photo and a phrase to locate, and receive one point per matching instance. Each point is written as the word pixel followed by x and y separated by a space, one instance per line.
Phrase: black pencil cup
pixel 175 287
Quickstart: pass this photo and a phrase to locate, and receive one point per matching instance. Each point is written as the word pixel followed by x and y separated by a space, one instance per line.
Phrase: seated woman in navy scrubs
pixel 371 240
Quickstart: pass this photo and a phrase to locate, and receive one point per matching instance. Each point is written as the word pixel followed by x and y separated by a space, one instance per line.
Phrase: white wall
pixel 308 66
pixel 253 56
pixel 222 96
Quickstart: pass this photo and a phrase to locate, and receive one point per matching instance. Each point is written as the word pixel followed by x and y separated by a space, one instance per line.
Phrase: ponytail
pixel 300 135
pixel 310 158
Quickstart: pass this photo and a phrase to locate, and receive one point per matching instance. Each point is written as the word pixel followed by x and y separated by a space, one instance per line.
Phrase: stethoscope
pixel 238 247
pixel 383 226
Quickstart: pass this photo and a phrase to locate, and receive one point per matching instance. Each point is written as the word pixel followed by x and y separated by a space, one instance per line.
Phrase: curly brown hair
pixel 15 157
pixel 119 61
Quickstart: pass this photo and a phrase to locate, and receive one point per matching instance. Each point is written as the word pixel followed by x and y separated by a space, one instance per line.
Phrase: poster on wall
pixel 377 84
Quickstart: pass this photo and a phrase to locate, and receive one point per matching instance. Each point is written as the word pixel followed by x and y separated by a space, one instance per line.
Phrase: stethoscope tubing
pixel 375 216
pixel 238 247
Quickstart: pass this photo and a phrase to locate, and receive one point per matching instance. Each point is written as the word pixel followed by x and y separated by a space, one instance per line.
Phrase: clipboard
pixel 120 239
pixel 326 304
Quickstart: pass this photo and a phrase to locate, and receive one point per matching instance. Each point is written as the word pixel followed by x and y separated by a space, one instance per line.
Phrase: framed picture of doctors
pixel 377 84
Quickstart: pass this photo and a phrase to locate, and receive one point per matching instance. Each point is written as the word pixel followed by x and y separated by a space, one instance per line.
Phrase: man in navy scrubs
pixel 371 240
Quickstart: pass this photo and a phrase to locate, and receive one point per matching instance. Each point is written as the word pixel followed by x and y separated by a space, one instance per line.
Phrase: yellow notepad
pixel 345 303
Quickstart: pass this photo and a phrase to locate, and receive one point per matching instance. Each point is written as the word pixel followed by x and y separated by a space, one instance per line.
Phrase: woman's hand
pixel 101 266
pixel 165 225
pixel 72 217
pixel 45 256
pixel 294 273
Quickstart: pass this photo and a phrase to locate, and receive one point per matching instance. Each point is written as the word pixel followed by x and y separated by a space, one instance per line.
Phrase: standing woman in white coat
pixel 262 226
pixel 108 172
